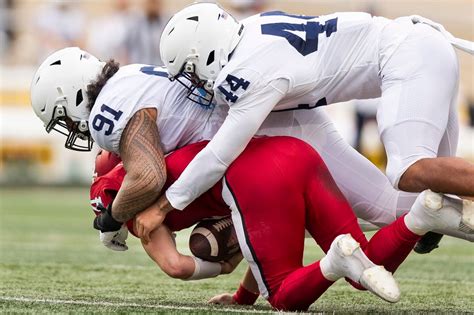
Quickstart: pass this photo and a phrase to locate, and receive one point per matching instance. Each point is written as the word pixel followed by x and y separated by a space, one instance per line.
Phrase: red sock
pixel 300 289
pixel 391 245
pixel 244 297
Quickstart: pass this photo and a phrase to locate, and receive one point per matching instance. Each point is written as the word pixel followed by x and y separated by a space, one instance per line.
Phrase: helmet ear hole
pixel 210 58
pixel 79 97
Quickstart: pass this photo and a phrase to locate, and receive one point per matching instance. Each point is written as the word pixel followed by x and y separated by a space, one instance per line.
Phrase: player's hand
pixel 222 299
pixel 229 265
pixel 115 240
pixel 104 222
pixel 151 218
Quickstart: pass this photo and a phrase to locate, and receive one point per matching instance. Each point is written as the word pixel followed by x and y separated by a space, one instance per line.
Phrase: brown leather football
pixel 214 240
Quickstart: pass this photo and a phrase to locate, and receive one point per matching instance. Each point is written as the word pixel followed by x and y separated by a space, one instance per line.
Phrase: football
pixel 214 240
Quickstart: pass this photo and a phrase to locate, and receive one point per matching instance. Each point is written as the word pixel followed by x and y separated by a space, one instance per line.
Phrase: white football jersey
pixel 285 62
pixel 137 86
pixel 326 59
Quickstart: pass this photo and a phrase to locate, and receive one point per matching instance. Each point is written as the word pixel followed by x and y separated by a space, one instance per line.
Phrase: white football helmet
pixel 196 44
pixel 58 94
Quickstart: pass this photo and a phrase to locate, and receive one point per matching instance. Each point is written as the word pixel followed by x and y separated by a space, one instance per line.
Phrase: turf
pixel 52 262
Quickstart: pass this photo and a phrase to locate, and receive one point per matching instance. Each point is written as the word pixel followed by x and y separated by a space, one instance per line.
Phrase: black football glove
pixel 104 222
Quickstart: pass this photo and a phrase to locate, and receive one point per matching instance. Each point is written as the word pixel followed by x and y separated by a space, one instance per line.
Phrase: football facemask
pixel 199 91
pixel 77 134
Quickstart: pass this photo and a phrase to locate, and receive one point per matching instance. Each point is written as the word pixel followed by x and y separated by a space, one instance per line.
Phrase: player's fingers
pixel 223 299
pixel 135 226
pixel 139 229
pixel 146 235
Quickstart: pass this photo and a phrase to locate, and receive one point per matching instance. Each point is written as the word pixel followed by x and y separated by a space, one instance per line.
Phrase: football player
pixel 270 221
pixel 108 177
pixel 136 112
pixel 276 61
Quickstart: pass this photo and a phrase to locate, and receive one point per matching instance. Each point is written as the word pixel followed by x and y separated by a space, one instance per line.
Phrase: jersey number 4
pixel 311 29
pixel 234 84
pixel 100 121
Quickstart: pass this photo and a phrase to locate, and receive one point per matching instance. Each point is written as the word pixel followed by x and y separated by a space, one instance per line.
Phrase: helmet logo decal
pixel 57 62
pixel 193 18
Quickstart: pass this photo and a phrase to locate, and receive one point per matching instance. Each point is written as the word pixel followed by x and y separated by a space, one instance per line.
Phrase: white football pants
pixel 417 117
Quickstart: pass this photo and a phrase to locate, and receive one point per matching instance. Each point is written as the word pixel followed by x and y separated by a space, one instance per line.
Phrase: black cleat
pixel 428 243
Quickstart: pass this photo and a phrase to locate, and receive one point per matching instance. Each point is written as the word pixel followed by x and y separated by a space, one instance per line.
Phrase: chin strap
pixel 462 44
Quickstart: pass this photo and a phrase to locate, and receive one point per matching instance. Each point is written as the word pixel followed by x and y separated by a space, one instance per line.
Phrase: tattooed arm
pixel 143 159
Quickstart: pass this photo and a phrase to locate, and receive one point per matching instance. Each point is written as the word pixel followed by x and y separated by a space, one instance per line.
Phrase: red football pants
pixel 273 201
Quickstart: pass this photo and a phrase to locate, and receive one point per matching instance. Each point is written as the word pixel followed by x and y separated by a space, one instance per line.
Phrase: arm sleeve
pixel 242 122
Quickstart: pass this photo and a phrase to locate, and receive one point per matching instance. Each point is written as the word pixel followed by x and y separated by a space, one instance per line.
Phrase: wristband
pixel 204 269
pixel 244 296
pixel 105 222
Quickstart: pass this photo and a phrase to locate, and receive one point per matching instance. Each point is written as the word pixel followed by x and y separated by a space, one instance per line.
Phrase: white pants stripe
pixel 242 236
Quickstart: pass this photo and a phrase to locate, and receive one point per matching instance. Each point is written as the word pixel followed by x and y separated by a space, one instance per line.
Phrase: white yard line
pixel 114 304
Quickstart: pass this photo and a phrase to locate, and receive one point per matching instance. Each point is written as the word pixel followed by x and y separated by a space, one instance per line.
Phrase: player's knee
pixel 394 174
pixel 408 174
pixel 414 178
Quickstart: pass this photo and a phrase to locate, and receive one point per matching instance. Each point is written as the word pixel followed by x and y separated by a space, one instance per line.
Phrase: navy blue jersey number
pixel 311 29
pixel 234 84
pixel 100 121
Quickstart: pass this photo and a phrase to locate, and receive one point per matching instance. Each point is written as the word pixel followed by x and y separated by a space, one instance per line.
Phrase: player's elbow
pixel 177 273
pixel 175 269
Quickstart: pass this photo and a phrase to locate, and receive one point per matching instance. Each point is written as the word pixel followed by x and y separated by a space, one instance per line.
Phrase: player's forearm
pixel 162 250
pixel 249 282
pixel 140 150
pixel 136 194
pixel 248 292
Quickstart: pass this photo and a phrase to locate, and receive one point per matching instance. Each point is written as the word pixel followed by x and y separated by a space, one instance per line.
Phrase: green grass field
pixel 51 261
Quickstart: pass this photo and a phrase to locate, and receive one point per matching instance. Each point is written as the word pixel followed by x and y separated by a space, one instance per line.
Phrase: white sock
pixel 415 224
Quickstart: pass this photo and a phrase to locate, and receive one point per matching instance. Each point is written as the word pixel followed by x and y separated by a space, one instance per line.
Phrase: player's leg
pixel 301 168
pixel 270 227
pixel 269 219
pixel 447 147
pixel 413 116
pixel 329 215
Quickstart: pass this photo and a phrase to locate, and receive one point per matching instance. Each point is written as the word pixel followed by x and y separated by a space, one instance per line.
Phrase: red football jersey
pixel 209 205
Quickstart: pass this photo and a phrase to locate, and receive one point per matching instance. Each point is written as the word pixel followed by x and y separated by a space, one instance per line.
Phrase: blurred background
pixel 129 31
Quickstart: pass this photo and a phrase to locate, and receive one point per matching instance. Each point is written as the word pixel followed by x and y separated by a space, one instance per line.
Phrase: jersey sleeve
pixel 107 122
pixel 245 117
